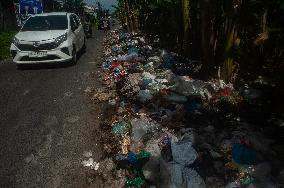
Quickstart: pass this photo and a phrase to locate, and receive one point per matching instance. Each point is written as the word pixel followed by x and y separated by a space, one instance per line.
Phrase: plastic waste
pixel 139 129
pixel 153 148
pixel 193 104
pixel 148 66
pixel 133 50
pixel 155 59
pixel 148 76
pixel 235 184
pixel 143 157
pixel 178 176
pixel 164 140
pixel 176 98
pixel 187 134
pixel 192 179
pixel 102 96
pixel 142 126
pixel 120 128
pixel 130 58
pixel 183 153
pixel 243 154
pixel 125 143
pixel 146 82
pixel 186 67
pixel 246 181
pixel 188 87
pixel 144 95
pixel 131 158
pixel 168 59
pixel 134 163
pixel 135 182
pixel 91 163
pixel 131 86
pixel 151 168
pixel 175 170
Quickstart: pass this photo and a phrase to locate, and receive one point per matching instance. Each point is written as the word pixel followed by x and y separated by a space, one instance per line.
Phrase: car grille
pixel 48 57
pixel 30 47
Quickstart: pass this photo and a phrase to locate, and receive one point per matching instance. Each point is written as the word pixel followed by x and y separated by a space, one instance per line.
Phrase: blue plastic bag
pixel 243 154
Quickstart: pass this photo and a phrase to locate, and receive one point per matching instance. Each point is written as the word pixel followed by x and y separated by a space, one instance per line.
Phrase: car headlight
pixel 15 41
pixel 61 39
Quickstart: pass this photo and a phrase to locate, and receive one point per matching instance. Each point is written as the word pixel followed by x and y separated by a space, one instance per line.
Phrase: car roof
pixel 53 14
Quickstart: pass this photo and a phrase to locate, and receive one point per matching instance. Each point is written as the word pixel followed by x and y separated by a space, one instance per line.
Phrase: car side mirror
pixel 73 28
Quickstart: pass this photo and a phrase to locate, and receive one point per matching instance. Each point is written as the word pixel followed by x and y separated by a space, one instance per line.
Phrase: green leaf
pixel 282 6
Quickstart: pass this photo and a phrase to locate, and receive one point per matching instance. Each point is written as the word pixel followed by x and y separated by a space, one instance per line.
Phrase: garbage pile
pixel 154 93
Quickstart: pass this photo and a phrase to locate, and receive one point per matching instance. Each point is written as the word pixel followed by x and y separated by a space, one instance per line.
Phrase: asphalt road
pixel 47 122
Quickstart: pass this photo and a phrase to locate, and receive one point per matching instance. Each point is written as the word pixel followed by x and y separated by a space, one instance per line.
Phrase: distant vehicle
pixel 49 38
pixel 88 30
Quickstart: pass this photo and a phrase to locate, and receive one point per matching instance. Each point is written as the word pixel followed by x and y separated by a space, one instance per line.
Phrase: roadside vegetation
pixel 230 37
pixel 5 42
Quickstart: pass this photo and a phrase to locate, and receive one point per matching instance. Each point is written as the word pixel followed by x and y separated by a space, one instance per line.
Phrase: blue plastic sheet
pixel 243 154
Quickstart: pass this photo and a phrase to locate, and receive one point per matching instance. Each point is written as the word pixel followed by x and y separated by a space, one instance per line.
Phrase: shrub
pixel 5 42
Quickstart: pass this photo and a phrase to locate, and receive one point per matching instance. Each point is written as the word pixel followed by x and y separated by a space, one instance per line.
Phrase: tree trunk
pixel 130 16
pixel 206 35
pixel 231 33
pixel 186 26
pixel 7 15
pixel 227 67
pixel 264 21
pixel 1 17
pixel 126 17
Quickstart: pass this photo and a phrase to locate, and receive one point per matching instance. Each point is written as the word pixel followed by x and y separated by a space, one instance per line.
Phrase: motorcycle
pixel 88 30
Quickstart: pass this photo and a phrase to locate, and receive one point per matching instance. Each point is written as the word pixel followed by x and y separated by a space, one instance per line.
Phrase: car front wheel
pixel 74 56
pixel 21 67
pixel 84 47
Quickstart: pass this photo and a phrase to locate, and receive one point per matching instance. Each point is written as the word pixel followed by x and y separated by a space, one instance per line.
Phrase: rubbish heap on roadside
pixel 164 120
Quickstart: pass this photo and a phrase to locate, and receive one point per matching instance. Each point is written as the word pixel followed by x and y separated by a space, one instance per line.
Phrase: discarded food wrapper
pixel 243 154
pixel 135 182
pixel 120 128
pixel 183 152
pixel 164 140
pixel 87 154
pixel 125 145
pixel 102 96
pixel 91 163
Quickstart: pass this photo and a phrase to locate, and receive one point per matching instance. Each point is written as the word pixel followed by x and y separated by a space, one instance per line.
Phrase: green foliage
pixel 219 33
pixel 5 42
pixel 75 6
pixel 157 17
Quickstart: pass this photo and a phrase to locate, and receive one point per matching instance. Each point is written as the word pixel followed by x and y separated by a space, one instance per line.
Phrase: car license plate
pixel 38 54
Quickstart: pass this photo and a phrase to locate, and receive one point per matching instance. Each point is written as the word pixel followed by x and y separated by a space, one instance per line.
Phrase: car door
pixel 81 33
pixel 75 29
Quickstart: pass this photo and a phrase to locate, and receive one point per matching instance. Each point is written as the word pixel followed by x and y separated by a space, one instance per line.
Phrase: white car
pixel 49 38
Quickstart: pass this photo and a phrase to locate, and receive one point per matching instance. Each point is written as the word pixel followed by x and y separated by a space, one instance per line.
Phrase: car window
pixel 42 23
pixel 73 22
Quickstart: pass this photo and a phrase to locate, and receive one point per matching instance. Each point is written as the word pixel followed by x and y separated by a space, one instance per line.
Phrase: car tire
pixel 21 67
pixel 74 56
pixel 84 48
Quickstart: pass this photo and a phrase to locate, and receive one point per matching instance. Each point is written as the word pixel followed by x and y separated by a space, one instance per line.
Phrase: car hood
pixel 39 35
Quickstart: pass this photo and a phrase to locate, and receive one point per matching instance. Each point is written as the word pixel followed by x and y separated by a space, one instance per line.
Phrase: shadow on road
pixel 44 66
pixel 40 66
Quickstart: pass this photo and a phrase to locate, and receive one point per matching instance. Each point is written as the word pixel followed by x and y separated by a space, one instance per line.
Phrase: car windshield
pixel 42 23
